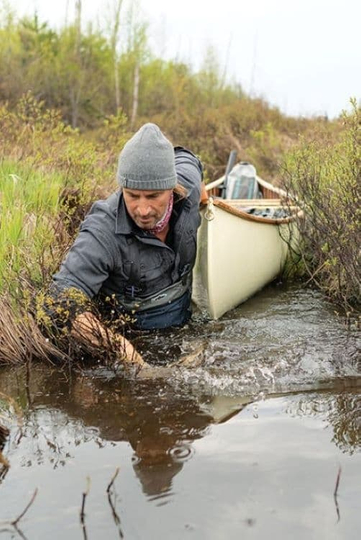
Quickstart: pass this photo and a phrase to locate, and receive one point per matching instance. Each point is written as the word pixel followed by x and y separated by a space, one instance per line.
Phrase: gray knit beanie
pixel 147 161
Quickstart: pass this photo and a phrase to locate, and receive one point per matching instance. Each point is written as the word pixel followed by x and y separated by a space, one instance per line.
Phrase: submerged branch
pixel 113 479
pixel 16 521
pixel 335 493
pixel 115 515
pixel 85 494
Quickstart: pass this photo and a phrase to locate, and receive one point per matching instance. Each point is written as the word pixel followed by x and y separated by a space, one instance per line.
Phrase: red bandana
pixel 162 223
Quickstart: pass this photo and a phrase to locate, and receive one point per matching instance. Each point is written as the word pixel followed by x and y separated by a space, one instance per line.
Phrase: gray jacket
pixel 113 257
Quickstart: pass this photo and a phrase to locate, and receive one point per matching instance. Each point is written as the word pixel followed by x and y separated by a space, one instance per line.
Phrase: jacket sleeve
pixel 84 270
pixel 189 170
pixel 87 264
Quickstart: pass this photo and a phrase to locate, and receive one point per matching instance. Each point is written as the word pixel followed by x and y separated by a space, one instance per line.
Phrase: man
pixel 138 247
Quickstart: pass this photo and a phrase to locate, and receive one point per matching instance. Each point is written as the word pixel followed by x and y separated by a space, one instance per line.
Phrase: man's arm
pixel 87 265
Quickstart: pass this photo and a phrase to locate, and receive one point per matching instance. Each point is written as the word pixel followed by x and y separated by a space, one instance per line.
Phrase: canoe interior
pixel 268 191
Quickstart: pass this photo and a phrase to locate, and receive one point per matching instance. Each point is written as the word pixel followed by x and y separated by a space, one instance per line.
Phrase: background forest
pixel 95 76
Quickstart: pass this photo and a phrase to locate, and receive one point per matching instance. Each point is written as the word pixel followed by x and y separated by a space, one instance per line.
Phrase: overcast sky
pixel 302 55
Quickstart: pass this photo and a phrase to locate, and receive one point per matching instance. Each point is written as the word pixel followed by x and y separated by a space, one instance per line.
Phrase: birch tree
pixel 114 45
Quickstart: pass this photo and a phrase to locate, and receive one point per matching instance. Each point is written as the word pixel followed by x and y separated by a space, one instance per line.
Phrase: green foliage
pixel 49 176
pixel 326 177
pixel 29 202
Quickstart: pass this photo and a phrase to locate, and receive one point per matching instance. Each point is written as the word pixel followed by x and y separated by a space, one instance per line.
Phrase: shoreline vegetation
pixel 61 138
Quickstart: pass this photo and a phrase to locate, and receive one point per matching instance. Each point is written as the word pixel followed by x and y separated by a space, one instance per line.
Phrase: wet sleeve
pixel 86 267
pixel 88 263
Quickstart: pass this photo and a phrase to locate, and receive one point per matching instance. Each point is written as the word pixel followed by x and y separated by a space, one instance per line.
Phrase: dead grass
pixel 21 340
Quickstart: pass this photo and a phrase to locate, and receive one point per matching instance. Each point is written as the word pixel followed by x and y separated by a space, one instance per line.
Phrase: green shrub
pixel 324 175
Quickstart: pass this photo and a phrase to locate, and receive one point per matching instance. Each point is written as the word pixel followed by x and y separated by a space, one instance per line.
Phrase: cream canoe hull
pixel 236 257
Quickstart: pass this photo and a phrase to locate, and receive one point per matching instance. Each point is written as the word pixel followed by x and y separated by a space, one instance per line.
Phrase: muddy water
pixel 248 445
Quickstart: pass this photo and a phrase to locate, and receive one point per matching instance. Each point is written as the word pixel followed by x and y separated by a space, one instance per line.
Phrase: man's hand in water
pixel 127 353
pixel 88 328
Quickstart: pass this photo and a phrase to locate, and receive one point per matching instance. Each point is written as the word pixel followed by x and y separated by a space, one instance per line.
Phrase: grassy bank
pixel 49 175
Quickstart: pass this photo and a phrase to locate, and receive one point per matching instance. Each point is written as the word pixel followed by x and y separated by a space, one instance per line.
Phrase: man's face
pixel 146 208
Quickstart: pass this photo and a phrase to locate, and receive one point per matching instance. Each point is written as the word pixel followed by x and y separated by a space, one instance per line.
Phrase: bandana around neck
pixel 162 223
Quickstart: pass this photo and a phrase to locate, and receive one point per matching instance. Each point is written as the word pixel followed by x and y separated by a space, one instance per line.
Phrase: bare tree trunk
pixel 74 100
pixel 75 89
pixel 135 94
pixel 78 25
pixel 114 41
pixel 66 13
pixel 116 85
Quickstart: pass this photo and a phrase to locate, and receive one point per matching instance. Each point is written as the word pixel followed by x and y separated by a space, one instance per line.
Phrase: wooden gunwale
pixel 227 207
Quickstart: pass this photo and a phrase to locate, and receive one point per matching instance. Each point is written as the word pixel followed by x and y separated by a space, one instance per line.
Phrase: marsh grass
pixel 49 175
pixel 29 207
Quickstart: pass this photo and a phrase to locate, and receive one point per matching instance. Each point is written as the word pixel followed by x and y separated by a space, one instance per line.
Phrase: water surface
pixel 248 445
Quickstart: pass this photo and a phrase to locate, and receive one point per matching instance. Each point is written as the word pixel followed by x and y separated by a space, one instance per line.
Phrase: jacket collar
pixel 123 222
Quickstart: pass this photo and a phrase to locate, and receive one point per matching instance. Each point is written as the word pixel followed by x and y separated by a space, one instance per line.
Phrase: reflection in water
pixel 159 424
pixel 341 411
pixel 345 417
pixel 156 422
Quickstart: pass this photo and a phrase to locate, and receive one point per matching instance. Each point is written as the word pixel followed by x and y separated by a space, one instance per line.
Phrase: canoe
pixel 238 251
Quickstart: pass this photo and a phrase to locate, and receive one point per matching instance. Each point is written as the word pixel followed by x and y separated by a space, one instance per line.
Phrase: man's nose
pixel 143 208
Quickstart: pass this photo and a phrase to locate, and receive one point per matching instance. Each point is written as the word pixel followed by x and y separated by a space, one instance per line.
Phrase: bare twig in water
pixel 337 481
pixel 112 504
pixel 16 521
pixel 85 494
pixel 335 493
pixel 113 479
pixel 82 512
pixel 19 532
